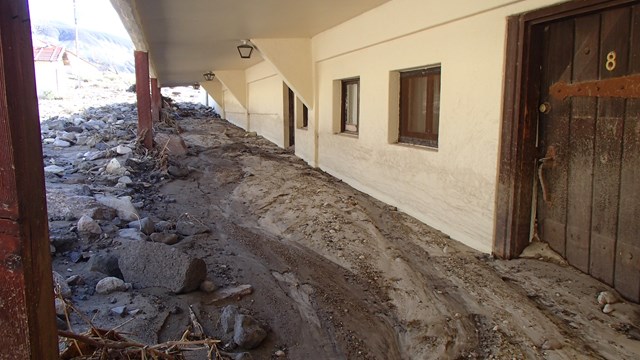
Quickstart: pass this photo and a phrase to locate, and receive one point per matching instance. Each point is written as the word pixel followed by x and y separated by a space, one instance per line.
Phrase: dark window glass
pixel 420 106
pixel 350 105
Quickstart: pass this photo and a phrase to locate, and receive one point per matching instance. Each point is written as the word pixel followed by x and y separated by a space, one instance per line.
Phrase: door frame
pixel 516 164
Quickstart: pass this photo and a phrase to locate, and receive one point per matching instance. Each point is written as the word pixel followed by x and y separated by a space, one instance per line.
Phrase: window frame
pixel 343 105
pixel 427 138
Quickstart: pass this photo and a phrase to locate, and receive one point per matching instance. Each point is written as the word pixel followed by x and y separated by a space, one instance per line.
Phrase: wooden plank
pixel 27 315
pixel 581 144
pixel 627 263
pixel 614 36
pixel 156 101
pixel 145 125
pixel 504 237
pixel 554 130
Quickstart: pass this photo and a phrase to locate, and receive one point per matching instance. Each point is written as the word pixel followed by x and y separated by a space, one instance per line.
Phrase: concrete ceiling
pixel 189 37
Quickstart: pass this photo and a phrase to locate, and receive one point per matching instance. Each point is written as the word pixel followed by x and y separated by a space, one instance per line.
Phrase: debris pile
pixel 124 262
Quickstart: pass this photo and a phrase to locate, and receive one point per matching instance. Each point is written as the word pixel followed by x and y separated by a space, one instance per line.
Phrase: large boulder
pixel 149 264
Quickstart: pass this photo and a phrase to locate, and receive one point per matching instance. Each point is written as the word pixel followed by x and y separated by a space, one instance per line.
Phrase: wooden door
pixel 588 167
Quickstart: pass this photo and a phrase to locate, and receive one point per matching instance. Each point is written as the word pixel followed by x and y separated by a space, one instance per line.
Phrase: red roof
pixel 48 53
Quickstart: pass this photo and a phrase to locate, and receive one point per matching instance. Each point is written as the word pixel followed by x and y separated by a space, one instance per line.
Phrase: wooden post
pixel 155 101
pixel 145 126
pixel 27 316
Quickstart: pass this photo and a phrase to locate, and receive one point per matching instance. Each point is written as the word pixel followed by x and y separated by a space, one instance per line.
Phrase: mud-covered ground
pixel 335 273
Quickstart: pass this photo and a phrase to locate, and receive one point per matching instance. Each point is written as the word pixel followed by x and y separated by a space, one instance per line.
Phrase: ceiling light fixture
pixel 245 49
pixel 208 76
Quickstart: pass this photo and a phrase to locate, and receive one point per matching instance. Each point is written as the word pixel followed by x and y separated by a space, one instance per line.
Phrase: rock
pixel 123 150
pixel 75 280
pixel 208 286
pixel 106 264
pixel 189 228
pixel 279 353
pixel 54 169
pixel 607 309
pixel 132 234
pixel 95 155
pixel 67 136
pixel 228 318
pixel 251 134
pixel 178 172
pixel 226 293
pixel 122 205
pixel 165 238
pixel 61 306
pixel 74 129
pixel 78 120
pixel 60 285
pixel 173 143
pixel 247 333
pixel 110 285
pixel 243 356
pixel 162 226
pixel 551 345
pixel 607 297
pixel 150 264
pixel 89 226
pixel 145 225
pixel 119 310
pixel 114 167
pixel 125 180
pixel 61 143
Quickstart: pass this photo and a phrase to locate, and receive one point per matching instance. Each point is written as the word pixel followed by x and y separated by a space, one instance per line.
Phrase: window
pixel 305 116
pixel 350 105
pixel 420 106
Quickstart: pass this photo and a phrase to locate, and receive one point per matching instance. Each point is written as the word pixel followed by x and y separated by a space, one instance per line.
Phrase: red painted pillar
pixel 145 126
pixel 27 317
pixel 155 101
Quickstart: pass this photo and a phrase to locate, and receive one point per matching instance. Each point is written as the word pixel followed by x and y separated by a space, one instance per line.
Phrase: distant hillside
pixel 108 52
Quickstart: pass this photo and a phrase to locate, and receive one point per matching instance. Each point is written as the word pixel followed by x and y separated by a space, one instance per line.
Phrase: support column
pixel 27 315
pixel 145 126
pixel 156 101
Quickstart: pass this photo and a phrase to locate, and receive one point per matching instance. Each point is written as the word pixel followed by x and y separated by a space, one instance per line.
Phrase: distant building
pixel 51 77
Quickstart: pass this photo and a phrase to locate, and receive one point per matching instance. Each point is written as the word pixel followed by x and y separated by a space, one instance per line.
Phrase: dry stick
pixel 121 345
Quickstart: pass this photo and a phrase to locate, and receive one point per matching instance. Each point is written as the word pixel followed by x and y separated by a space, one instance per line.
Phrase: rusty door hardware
pixel 545 107
pixel 549 157
pixel 618 87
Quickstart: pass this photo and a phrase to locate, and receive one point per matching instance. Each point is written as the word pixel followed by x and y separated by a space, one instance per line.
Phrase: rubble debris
pixel 106 264
pixel 125 209
pixel 145 225
pixel 190 228
pixel 607 297
pixel 165 238
pixel 172 144
pixel 233 292
pixel 60 285
pixel 89 226
pixel 247 332
pixel 150 264
pixel 131 234
pixel 110 285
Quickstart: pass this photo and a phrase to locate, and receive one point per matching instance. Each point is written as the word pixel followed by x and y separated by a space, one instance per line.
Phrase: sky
pixel 92 14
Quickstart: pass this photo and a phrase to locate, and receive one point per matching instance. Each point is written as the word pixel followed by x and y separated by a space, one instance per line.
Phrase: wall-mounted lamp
pixel 245 49
pixel 196 86
pixel 208 76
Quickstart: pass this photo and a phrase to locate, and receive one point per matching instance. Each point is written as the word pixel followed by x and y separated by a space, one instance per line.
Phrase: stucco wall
pixel 233 111
pixel 451 188
pixel 266 103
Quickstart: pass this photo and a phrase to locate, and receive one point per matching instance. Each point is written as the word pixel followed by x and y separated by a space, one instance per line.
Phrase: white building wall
pixel 451 188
